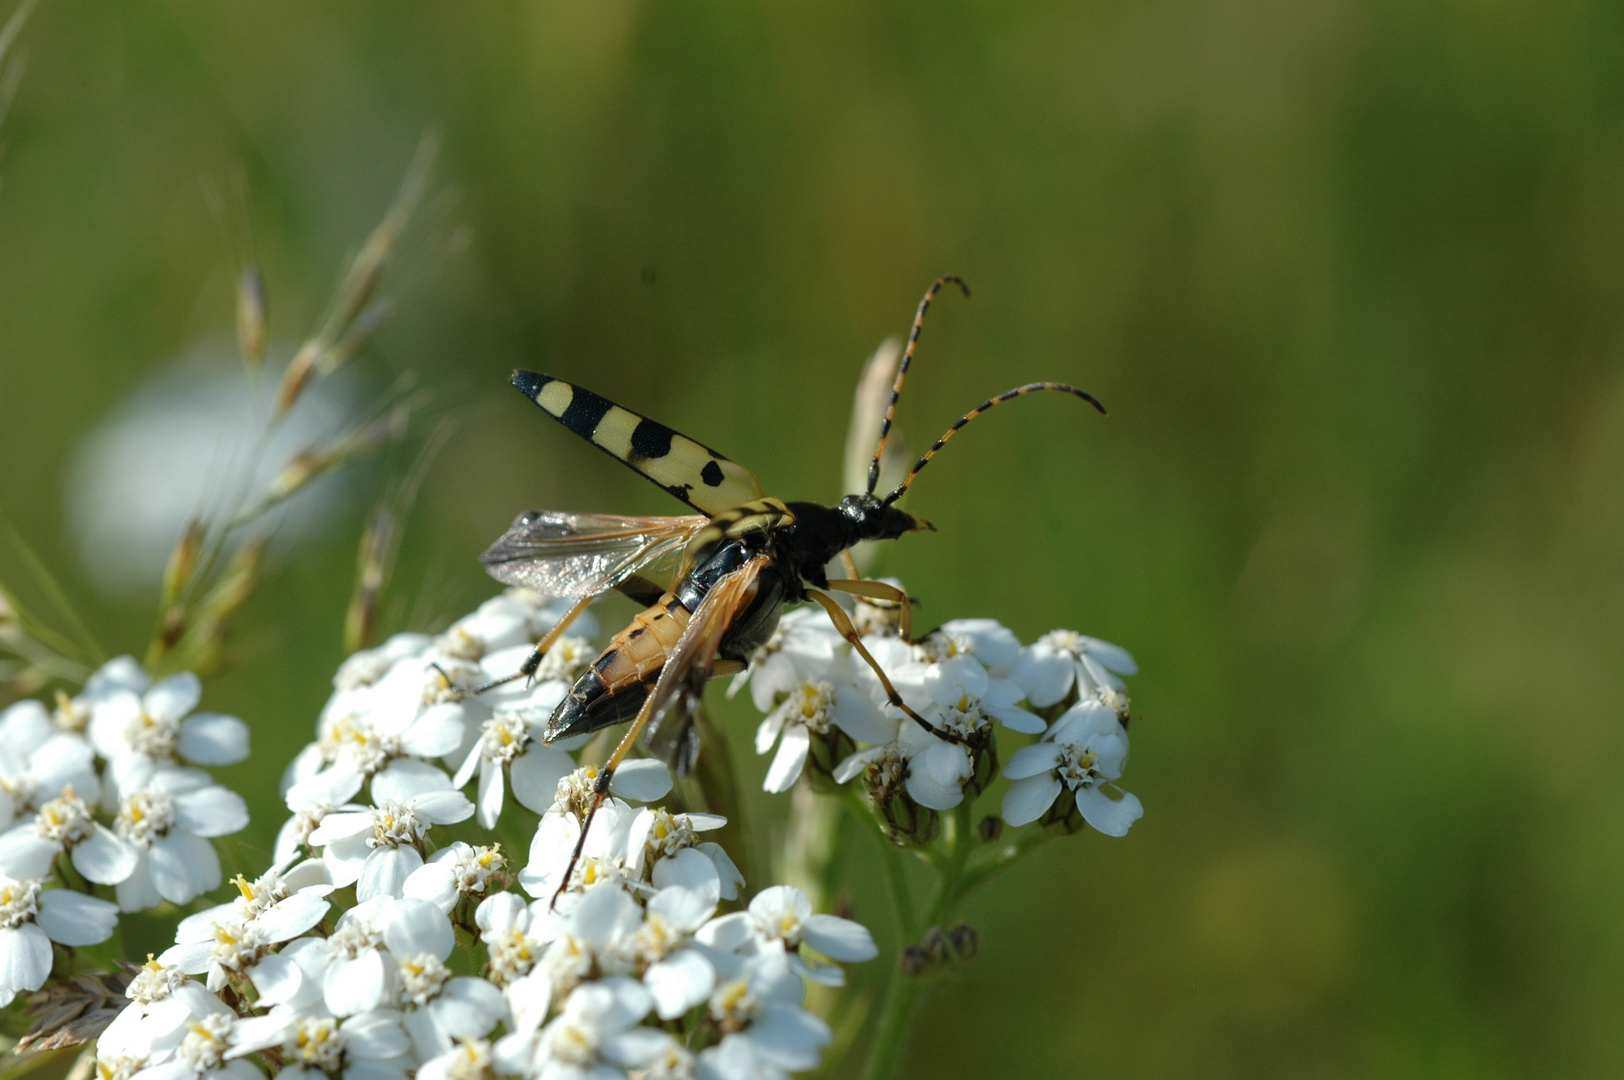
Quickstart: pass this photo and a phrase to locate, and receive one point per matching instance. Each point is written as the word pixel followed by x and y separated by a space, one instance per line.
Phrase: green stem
pixel 896 1014
pixel 902 908
pixel 903 991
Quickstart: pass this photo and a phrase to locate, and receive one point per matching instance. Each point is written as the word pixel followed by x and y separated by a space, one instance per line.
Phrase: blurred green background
pixel 1350 277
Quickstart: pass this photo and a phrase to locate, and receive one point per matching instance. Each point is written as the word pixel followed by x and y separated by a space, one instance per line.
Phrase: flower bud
pixel 909 822
pixel 1063 818
pixel 828 749
pixel 983 761
pixel 964 941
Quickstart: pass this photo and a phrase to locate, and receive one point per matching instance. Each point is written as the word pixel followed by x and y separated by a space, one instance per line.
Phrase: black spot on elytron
pixel 530 383
pixel 679 490
pixel 712 473
pixel 584 412
pixel 651 440
pixel 603 662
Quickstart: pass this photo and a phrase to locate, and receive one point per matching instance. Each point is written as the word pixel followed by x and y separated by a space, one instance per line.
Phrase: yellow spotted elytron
pixel 714 582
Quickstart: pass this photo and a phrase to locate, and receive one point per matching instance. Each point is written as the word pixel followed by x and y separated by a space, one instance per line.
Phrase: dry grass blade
pixel 354 318
pixel 251 316
pixel 87 650
pixel 380 543
pixel 194 640
pixel 74 1011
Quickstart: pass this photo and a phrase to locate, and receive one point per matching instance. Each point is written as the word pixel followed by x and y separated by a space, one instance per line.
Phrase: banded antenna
pixel 902 370
pixel 1007 395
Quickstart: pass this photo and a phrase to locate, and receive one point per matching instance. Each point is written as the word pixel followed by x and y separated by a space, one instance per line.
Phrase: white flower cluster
pixel 104 790
pixel 821 699
pixel 437 966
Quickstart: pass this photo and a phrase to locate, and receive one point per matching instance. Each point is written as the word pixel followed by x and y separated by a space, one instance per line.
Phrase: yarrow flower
pixel 168 821
pixel 31 917
pixel 65 824
pixel 40 762
pixel 136 731
pixel 1055 664
pixel 635 966
pixel 376 848
pixel 1082 754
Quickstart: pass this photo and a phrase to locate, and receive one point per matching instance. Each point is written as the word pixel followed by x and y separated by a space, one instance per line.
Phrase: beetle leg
pixel 842 622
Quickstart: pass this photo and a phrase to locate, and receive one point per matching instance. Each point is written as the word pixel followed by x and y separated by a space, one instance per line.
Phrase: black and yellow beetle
pixel 732 567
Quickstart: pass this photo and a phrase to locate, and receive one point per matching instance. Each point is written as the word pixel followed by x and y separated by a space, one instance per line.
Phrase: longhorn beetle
pixel 732 567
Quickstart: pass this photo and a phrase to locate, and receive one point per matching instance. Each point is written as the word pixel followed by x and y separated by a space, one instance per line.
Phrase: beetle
pixel 732 568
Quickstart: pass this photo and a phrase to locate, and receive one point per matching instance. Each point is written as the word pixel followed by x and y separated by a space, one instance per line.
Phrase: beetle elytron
pixel 732 568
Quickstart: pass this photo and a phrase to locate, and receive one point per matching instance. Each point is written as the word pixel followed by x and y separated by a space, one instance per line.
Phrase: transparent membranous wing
pixel 575 555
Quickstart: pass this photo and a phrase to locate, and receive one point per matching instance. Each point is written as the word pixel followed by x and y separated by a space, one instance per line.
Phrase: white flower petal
pixel 470 761
pixel 1040 757
pixel 529 999
pixel 790 1038
pixel 945 762
pixel 1030 798
pixel 767 731
pixel 955 678
pixel 1045 675
pixel 354 986
pixel 214 811
pixel 1083 720
pixel 213 739
pixel 535 775
pixel 679 982
pixel 839 939
pixel 726 872
pixel 385 871
pixel 1111 817
pixel 434 883
pixel 104 858
pixel 333 786
pixel 24 853
pixel 930 794
pixel 174 697
pixel 469 1007
pixel 71 918
pixel 1016 718
pixel 604 913
pixel 416 926
pixel 435 733
pixel 641 780
pixel 276 978
pixel 491 791
pixel 691 869
pixel 183 866
pixel 993 643
pixel 858 716
pixel 406 778
pixel 788 762
pixel 1112 657
pixel 856 763
pixel 24 726
pixel 25 959
pixel 341 825
pixel 288 918
pixel 137 892
pixel 442 807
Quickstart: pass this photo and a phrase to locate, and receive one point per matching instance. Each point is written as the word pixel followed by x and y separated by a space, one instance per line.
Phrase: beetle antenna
pixel 977 411
pixel 902 368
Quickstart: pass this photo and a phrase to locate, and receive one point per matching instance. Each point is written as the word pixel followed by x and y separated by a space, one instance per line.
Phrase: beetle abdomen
pixel 615 686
